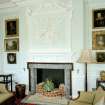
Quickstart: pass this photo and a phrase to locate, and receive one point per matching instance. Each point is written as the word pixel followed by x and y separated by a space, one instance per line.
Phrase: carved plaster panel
pixel 47 31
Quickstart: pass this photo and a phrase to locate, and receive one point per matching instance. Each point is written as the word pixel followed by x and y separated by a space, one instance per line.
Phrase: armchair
pixel 90 98
pixel 6 97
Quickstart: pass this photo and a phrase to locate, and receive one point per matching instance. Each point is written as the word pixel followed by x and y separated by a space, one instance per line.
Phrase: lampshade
pixel 86 57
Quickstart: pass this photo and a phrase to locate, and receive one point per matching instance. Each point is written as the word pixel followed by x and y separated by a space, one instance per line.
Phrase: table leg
pixel 6 82
pixel 11 82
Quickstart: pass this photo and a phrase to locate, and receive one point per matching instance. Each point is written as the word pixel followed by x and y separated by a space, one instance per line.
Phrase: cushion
pixel 5 96
pixel 98 95
pixel 101 101
pixel 2 88
pixel 86 97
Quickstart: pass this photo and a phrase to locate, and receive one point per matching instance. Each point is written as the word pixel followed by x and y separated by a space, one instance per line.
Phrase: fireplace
pixel 39 71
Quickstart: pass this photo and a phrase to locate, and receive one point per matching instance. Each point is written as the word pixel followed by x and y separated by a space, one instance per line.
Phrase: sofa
pixel 6 97
pixel 90 98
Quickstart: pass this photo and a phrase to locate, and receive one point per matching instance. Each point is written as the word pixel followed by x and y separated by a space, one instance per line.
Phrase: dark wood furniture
pixel 101 83
pixel 20 90
pixel 6 79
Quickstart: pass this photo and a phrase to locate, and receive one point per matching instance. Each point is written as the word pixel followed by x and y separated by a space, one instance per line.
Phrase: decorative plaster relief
pixel 49 31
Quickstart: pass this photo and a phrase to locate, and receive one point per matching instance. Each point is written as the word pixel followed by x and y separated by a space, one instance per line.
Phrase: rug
pixel 18 102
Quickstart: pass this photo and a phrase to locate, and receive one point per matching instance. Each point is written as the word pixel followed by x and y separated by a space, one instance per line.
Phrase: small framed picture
pixel 100 56
pixel 11 58
pixel 11 44
pixel 99 18
pixel 12 27
pixel 98 40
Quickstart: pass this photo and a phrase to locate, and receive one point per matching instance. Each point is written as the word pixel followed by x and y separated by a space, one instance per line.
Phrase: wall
pixel 1 47
pixel 18 70
pixel 77 44
pixel 93 69
pixel 47 35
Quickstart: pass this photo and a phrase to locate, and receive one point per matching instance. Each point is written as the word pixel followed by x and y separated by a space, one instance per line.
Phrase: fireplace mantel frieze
pixel 33 65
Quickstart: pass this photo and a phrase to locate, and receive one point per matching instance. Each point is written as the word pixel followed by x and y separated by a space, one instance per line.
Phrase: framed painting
pixel 11 44
pixel 99 18
pixel 12 27
pixel 11 58
pixel 100 56
pixel 98 40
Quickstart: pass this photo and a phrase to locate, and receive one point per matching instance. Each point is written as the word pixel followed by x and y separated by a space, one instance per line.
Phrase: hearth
pixel 39 71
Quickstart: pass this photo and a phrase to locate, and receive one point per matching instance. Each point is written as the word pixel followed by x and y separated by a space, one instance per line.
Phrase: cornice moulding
pixel 40 4
pixel 7 5
pixel 95 1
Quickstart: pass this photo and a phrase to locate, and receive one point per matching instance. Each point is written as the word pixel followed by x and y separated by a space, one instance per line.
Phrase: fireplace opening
pixel 56 75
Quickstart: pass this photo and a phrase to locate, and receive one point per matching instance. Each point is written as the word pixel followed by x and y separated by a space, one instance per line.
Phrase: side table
pixel 6 79
pixel 101 83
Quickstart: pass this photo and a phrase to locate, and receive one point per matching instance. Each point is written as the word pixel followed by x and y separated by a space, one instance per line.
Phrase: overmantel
pixel 54 65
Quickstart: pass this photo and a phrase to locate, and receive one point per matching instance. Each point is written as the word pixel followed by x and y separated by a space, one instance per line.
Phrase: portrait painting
pixel 11 58
pixel 98 40
pixel 99 18
pixel 11 44
pixel 100 56
pixel 12 27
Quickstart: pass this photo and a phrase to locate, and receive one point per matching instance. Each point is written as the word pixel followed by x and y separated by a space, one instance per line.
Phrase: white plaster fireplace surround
pixel 34 66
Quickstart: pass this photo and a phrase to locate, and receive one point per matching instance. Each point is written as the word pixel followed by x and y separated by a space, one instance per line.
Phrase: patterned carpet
pixel 18 100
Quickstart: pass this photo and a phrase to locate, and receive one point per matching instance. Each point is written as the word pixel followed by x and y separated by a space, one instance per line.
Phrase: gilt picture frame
pixel 11 58
pixel 98 18
pixel 100 56
pixel 98 40
pixel 12 27
pixel 11 44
